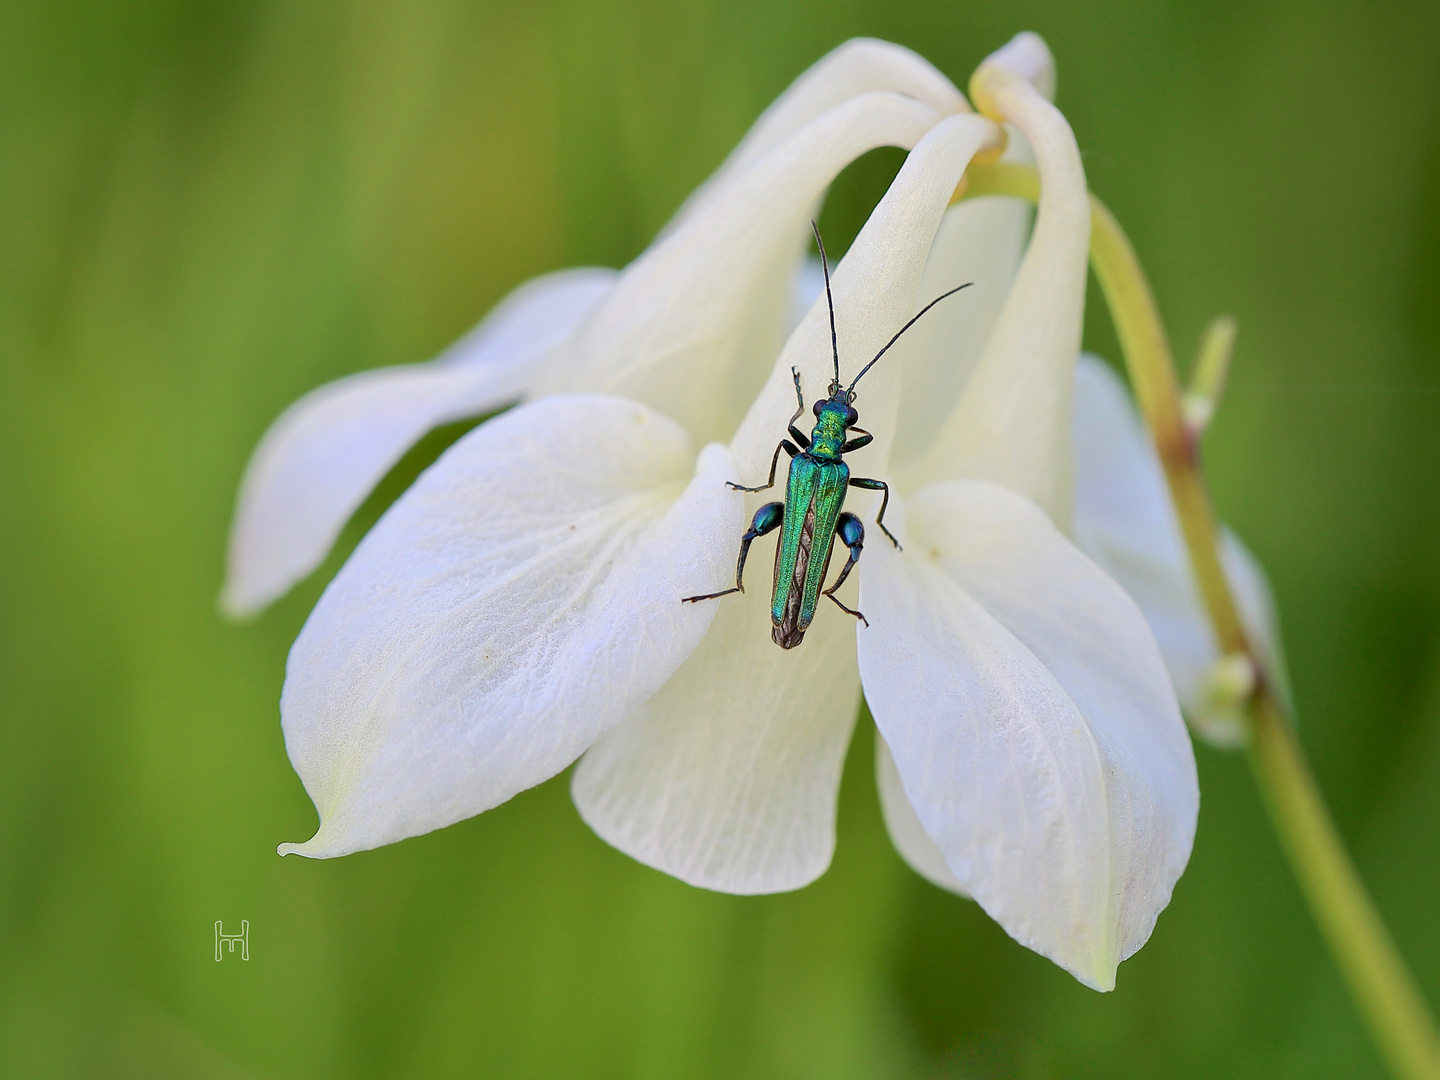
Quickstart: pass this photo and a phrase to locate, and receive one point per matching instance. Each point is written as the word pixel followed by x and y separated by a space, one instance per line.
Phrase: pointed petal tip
pixel 329 842
pixel 306 851
pixel 1100 979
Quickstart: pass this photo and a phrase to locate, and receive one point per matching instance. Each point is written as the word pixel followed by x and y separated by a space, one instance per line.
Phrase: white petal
pixel 532 320
pixel 326 452
pixel 806 286
pixel 521 597
pixel 1125 521
pixel 693 326
pixel 875 288
pixel 727 778
pixel 903 824
pixel 859 66
pixel 981 241
pixel 1032 724
pixel 1012 425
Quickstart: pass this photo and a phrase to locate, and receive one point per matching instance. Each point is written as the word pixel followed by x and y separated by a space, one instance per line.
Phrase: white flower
pixel 519 606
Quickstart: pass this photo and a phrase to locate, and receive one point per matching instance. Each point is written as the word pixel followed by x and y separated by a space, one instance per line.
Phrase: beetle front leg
pixel 788 447
pixel 852 534
pixel 866 484
pixel 767 519
pixel 801 439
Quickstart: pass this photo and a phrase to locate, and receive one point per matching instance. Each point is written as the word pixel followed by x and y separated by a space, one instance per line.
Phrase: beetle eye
pixel 817 407
pixel 851 417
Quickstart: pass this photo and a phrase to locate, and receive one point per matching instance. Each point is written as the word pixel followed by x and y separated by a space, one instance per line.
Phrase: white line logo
pixel 222 939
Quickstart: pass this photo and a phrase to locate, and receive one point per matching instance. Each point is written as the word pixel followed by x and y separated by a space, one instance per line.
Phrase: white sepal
pixel 326 452
pixel 519 599
pixel 1032 724
pixel 727 778
pixel 980 241
pixel 1126 522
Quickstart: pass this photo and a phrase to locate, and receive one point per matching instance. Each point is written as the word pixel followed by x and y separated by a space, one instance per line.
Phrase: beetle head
pixel 839 402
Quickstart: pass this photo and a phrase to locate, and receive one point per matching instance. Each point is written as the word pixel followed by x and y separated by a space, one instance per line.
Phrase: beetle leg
pixel 852 534
pixel 767 519
pixel 795 433
pixel 865 439
pixel 788 447
pixel 866 484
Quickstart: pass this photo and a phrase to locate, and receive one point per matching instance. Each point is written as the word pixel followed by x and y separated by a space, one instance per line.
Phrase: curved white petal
pixel 522 596
pixel 693 325
pixel 979 241
pixel 326 452
pixel 875 288
pixel 859 66
pixel 1125 521
pixel 903 824
pixel 806 286
pixel 1032 723
pixel 727 777
pixel 531 320
pixel 1012 423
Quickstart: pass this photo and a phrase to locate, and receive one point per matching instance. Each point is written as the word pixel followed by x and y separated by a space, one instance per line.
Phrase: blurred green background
pixel 208 208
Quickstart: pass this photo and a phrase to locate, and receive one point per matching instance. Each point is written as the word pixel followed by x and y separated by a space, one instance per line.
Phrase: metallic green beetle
pixel 814 505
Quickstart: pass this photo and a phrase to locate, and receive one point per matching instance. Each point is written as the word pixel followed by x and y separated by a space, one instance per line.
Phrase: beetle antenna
pixel 907 326
pixel 825 265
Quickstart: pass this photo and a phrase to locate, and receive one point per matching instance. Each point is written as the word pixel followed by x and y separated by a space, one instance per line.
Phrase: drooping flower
pixel 519 606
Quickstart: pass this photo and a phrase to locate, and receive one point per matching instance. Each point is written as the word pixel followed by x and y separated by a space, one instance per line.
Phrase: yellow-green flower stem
pixel 1380 983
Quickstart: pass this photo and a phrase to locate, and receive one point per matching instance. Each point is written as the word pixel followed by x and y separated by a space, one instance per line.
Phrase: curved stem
pixel 1381 985
pixel 1371 966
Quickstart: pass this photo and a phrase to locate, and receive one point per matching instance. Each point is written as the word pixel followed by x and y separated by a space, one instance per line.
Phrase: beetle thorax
pixel 829 434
